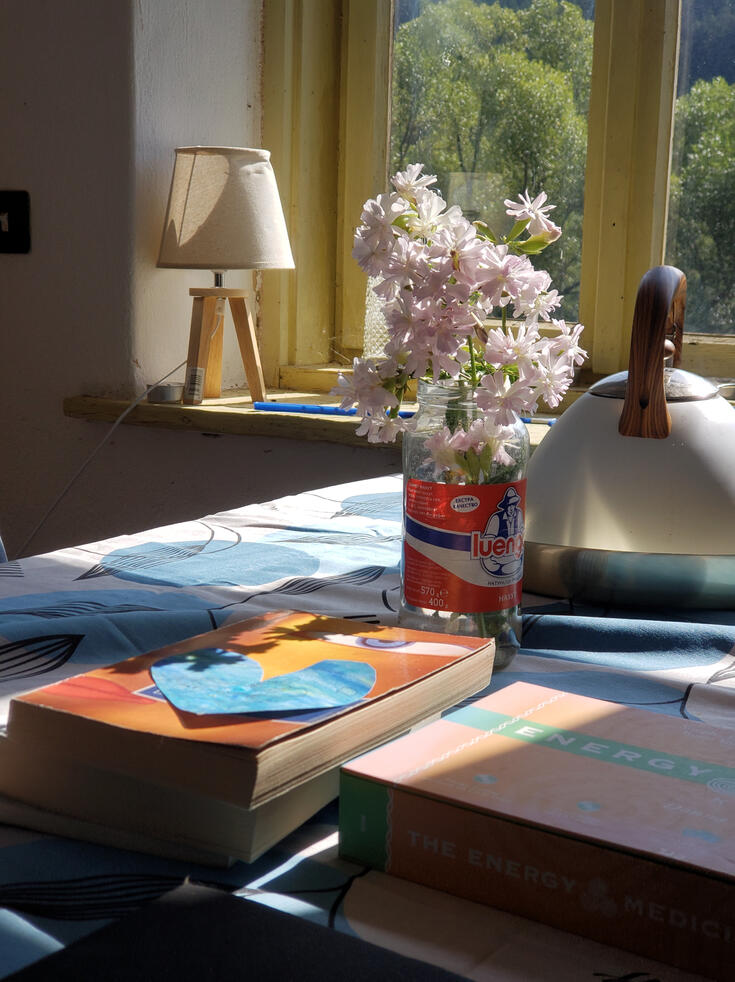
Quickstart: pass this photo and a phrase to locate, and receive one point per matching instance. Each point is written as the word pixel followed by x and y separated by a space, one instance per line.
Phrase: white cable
pixel 92 455
pixel 219 317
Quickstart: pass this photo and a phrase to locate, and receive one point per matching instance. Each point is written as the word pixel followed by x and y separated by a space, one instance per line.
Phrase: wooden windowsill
pixel 233 414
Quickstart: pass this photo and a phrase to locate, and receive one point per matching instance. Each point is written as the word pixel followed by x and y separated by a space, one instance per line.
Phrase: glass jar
pixel 463 507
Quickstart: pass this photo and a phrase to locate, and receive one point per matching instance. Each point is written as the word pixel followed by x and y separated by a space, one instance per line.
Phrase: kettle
pixel 631 494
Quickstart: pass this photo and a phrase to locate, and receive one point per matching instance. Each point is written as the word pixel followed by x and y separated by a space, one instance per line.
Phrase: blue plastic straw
pixel 297 407
pixel 308 407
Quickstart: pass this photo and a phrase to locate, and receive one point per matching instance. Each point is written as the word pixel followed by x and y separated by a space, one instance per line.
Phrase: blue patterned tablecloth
pixel 331 551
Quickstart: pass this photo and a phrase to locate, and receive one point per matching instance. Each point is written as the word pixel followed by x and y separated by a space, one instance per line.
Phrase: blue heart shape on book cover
pixel 213 681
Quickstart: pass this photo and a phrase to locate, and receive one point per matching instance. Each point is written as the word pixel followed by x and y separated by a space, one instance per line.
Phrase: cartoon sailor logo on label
pixel 500 547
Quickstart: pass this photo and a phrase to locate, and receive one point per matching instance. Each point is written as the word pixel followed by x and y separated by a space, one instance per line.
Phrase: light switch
pixel 15 221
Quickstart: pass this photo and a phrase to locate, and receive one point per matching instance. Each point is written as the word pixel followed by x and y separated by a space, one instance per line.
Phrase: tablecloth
pixel 335 551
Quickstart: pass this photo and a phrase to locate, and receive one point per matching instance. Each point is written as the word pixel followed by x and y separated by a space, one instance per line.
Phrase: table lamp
pixel 223 213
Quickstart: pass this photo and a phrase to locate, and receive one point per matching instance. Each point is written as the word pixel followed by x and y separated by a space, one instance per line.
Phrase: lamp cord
pixel 219 318
pixel 54 504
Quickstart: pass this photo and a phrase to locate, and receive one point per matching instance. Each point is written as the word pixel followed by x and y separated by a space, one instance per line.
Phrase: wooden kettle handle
pixel 659 312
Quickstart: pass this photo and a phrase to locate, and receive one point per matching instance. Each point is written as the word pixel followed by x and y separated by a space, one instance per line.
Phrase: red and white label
pixel 463 545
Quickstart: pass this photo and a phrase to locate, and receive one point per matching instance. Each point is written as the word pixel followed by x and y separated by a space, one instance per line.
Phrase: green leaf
pixel 519 227
pixel 533 245
pixel 486 458
pixel 401 222
pixel 485 232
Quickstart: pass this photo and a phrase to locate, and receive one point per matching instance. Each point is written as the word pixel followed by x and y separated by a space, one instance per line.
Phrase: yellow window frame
pixel 326 120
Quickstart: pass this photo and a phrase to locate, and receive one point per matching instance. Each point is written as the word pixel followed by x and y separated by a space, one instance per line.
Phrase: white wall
pixel 96 96
pixel 197 82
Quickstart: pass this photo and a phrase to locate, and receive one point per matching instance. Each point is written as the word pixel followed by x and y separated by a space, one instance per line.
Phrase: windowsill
pixel 233 414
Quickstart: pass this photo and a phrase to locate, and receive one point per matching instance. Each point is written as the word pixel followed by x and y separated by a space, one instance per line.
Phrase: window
pixel 325 120
pixel 701 225
pixel 493 99
pixel 326 84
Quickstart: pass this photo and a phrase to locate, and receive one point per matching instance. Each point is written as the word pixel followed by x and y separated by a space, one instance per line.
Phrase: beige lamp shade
pixel 224 212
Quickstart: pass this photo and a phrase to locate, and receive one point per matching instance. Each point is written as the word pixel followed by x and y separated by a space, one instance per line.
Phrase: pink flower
pixel 372 250
pixel 429 207
pixel 535 298
pixel 567 342
pixel 554 378
pixel 483 440
pixel 536 212
pixel 502 275
pixel 408 262
pixel 439 281
pixel 504 399
pixel 382 211
pixel 380 428
pixel 507 348
pixel 365 389
pixel 408 182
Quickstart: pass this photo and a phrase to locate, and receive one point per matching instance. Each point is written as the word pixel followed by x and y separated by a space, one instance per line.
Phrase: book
pixel 193 740
pixel 610 822
pixel 195 933
pixel 129 813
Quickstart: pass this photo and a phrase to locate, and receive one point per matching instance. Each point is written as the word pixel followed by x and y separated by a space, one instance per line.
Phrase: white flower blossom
pixel 380 428
pixel 554 376
pixel 507 347
pixel 440 281
pixel 373 250
pixel 566 342
pixel 503 275
pixel 506 399
pixel 429 208
pixel 484 441
pixel 364 389
pixel 408 182
pixel 536 212
pixel 382 211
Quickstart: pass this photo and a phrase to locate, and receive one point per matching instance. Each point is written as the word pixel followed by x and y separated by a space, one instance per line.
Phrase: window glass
pixel 701 222
pixel 492 97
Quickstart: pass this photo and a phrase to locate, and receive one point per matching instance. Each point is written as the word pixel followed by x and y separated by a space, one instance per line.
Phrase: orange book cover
pixel 276 650
pixel 612 822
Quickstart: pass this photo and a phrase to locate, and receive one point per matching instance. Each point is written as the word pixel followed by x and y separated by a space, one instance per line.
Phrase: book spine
pixel 675 915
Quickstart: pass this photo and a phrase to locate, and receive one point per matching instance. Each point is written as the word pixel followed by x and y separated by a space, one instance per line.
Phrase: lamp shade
pixel 224 212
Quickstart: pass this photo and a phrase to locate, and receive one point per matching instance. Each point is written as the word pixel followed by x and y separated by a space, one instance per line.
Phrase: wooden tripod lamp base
pixel 204 360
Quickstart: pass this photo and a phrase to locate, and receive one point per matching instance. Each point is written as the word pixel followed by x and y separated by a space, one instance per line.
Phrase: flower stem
pixel 473 365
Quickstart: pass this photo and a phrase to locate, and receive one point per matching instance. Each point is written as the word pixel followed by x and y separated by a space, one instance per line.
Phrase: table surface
pixel 332 551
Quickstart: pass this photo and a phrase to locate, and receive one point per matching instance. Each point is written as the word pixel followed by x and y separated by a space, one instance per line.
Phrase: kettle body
pixel 636 520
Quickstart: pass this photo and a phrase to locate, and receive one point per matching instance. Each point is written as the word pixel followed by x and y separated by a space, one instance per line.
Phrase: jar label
pixel 463 545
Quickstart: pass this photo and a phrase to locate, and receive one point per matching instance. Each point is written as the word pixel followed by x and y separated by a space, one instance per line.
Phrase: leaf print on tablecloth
pixel 36 656
pixel 387 505
pixel 148 555
pixel 11 569
pixel 214 564
pixel 80 608
pixel 87 897
pixel 723 674
pixel 144 558
pixel 300 585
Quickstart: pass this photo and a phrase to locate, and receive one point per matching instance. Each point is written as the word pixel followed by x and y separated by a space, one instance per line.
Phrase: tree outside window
pixel 701 226
pixel 492 97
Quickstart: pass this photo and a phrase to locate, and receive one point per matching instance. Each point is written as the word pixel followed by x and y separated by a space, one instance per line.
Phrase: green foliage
pixel 493 100
pixel 708 36
pixel 702 210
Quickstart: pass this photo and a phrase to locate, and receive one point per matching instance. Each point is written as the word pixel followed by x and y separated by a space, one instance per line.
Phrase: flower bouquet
pixel 447 287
